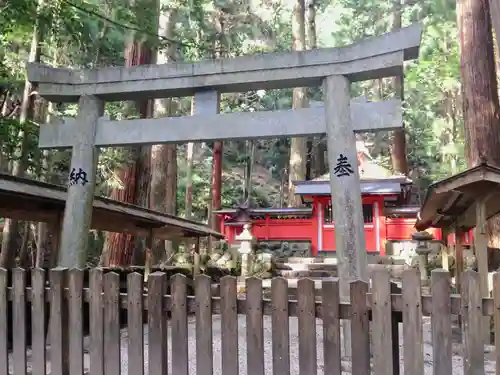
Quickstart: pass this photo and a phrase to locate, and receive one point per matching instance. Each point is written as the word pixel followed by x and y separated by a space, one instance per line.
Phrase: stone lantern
pixel 246 240
pixel 423 250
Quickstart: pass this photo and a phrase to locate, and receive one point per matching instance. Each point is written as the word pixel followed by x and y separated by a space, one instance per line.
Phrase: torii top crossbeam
pixel 371 58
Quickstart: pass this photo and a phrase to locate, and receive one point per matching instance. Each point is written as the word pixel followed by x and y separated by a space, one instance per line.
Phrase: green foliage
pixel 433 119
pixel 92 33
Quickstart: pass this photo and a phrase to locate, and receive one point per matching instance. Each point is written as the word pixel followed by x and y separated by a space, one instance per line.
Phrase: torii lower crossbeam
pixel 365 116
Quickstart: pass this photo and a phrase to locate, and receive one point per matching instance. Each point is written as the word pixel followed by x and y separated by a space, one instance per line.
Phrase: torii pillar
pixel 345 190
pixel 81 185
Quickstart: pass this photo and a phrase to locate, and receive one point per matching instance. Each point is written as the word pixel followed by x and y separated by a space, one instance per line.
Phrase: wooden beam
pixel 468 219
pixel 36 201
pixel 28 215
pixel 365 117
pixel 444 249
pixel 467 179
pixel 481 252
pixel 371 58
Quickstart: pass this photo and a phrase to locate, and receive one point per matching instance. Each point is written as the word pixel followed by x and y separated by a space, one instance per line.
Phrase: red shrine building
pixel 387 214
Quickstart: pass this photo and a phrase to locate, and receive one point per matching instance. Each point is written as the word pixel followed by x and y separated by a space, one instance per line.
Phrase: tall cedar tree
pixel 479 90
pixel 164 157
pixel 298 145
pixel 135 175
pixel 398 149
pixel 316 147
pixel 217 148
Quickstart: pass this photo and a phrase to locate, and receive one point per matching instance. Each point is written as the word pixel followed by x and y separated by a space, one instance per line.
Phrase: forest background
pixel 193 179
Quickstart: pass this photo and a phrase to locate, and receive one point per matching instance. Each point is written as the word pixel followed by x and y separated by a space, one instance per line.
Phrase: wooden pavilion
pixel 25 199
pixel 456 205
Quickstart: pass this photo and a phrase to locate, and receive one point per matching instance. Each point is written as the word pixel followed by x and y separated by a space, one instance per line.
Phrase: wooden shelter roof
pixel 453 200
pixel 30 200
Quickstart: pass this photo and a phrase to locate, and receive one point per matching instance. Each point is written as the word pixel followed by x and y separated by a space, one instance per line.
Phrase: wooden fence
pixel 371 311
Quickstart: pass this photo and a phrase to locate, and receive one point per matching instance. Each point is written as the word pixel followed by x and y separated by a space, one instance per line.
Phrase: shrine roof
pixel 272 211
pixel 375 179
pixel 453 200
pixel 380 186
pixel 369 170
pixel 26 199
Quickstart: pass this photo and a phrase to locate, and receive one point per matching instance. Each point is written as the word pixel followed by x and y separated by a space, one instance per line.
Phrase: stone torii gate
pixel 339 118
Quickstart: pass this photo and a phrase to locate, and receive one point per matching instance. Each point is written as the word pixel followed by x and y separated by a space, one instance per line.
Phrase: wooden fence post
pixel 59 342
pixel 396 317
pixel 280 326
pixel 441 322
pixel 204 331
pixel 75 321
pixel 383 323
pixel 96 310
pixel 472 318
pixel 135 289
pixel 19 321
pixel 157 324
pixel 4 339
pixel 38 313
pixel 112 350
pixel 413 341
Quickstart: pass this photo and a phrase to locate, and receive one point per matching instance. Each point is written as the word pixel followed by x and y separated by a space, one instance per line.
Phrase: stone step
pixel 372 259
pixel 309 274
pixel 292 283
pixel 306 266
pixel 308 260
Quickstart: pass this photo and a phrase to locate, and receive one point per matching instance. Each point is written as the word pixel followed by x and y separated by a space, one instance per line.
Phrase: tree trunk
pixel 119 248
pixel 479 91
pixel 188 207
pixel 312 42
pixel 218 146
pixel 398 149
pixel 316 148
pixel 164 157
pixel 11 227
pixel 46 246
pixel 250 151
pixel 298 146
pixel 188 199
pixel 495 19
pixel 216 184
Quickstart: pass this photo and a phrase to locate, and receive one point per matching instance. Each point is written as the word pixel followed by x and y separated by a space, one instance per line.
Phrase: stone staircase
pixel 295 268
pixel 317 269
pixel 313 268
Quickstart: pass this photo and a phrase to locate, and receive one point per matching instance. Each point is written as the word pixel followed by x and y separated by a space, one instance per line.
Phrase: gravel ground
pixel 294 362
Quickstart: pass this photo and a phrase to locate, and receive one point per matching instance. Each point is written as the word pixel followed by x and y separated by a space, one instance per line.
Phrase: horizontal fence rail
pixel 50 322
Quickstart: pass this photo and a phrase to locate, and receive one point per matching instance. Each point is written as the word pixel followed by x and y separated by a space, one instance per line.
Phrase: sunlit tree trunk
pixel 398 148
pixel 298 145
pixel 120 248
pixel 188 205
pixel 217 149
pixel 164 157
pixel 480 95
pixel 316 148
